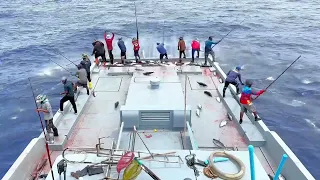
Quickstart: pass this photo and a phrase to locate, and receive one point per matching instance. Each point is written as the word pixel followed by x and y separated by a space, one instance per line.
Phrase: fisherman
pixel 108 38
pixel 123 50
pixel 181 48
pixel 98 50
pixel 208 50
pixel 162 50
pixel 45 107
pixel 232 75
pixel 69 95
pixel 82 78
pixel 136 47
pixel 195 45
pixel 86 63
pixel 246 101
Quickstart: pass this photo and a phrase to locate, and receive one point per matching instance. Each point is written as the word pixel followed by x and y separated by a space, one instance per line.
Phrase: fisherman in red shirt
pixel 195 45
pixel 109 40
pixel 246 101
pixel 136 47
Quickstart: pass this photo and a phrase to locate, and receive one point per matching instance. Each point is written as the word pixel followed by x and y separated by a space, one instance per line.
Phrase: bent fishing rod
pixel 44 133
pixel 227 34
pixel 62 67
pixel 279 75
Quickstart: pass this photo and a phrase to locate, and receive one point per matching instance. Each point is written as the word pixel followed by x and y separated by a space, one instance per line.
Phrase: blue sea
pixel 34 32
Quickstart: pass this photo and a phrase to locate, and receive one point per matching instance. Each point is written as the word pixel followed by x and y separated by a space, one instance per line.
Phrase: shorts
pixel 246 107
pixel 123 53
pixel 78 83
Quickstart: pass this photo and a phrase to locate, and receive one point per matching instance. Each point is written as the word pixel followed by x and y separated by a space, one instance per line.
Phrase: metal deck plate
pixel 108 84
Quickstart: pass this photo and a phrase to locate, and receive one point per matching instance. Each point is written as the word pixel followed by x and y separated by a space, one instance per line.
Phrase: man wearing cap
pixel 181 48
pixel 246 101
pixel 99 51
pixel 82 78
pixel 45 108
pixel 86 63
pixel 68 95
pixel 123 49
pixel 208 50
pixel 195 45
pixel 108 38
pixel 162 50
pixel 232 75
pixel 136 48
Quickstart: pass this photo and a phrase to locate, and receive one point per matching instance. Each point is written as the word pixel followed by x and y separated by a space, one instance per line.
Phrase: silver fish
pixel 223 123
pixel 199 106
pixel 220 80
pixel 198 112
pixel 218 99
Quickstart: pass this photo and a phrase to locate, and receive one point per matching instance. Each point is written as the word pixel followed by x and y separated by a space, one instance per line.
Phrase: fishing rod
pixel 65 58
pixel 44 133
pixel 62 67
pixel 135 13
pixel 163 33
pixel 280 75
pixel 227 34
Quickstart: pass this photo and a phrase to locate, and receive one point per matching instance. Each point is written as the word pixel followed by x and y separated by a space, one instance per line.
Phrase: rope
pixel 190 163
pixel 212 172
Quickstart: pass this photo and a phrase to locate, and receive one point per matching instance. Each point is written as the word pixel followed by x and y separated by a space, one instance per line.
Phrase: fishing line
pixel 46 140
pixel 280 75
pixel 62 67
pixel 227 34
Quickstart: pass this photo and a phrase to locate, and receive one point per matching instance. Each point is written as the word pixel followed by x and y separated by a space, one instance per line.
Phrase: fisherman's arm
pixel 228 73
pixel 112 37
pixel 178 45
pixel 43 110
pixel 239 77
pixel 258 93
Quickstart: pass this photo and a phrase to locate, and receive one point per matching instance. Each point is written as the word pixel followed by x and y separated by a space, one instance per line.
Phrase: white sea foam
pixel 14 117
pixel 307 81
pixel 297 103
pixel 270 78
pixel 312 124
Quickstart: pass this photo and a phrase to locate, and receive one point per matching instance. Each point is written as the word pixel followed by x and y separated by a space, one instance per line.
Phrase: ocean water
pixel 273 34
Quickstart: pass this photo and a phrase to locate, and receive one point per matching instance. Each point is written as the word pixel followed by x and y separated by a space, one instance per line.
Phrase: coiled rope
pixel 212 172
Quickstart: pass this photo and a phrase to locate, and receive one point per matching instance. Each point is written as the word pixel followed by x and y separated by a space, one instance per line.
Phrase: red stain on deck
pixel 209 106
pixel 207 72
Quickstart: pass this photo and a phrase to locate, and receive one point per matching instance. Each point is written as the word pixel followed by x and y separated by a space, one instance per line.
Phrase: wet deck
pixel 99 118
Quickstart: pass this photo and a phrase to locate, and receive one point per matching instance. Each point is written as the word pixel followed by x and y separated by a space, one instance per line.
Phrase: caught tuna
pixel 202 84
pixel 218 99
pixel 198 112
pixel 148 73
pixel 208 93
pixel 199 106
pixel 223 123
pixel 116 104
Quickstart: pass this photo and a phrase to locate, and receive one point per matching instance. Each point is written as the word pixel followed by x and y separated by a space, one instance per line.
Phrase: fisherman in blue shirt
pixel 162 50
pixel 123 49
pixel 208 49
pixel 232 75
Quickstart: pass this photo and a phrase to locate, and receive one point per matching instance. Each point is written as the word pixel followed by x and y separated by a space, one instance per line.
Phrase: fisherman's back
pixel 232 76
pixel 86 65
pixel 208 45
pixel 82 73
pixel 68 87
pixel 99 47
pixel 195 45
pixel 47 106
pixel 161 49
pixel 182 45
pixel 122 46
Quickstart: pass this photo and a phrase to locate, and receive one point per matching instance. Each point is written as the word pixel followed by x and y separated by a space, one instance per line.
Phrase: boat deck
pixel 98 118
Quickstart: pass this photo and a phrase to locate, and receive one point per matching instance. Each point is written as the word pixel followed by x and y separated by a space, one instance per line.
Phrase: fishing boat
pixel 158 125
